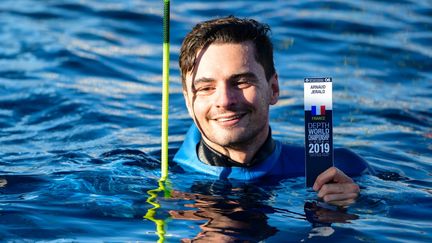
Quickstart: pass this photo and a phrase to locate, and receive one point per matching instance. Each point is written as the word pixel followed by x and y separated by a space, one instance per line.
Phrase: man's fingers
pixel 336 188
pixel 339 194
pixel 340 197
pixel 331 175
pixel 342 203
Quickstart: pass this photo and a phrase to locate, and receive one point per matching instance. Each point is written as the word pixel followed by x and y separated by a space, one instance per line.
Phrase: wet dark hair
pixel 227 30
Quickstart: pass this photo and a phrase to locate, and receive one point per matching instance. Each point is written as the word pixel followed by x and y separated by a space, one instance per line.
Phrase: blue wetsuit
pixel 286 161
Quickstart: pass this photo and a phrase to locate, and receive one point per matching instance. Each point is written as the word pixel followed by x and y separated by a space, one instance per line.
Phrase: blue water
pixel 80 91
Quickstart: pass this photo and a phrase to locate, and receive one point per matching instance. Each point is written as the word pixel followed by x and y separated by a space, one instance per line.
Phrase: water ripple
pixel 80 98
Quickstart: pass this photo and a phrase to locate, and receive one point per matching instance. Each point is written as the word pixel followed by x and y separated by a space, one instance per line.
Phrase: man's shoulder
pixel 295 154
pixel 290 159
pixel 350 162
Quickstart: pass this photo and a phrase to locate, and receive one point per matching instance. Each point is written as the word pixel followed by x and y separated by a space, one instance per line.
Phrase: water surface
pixel 80 97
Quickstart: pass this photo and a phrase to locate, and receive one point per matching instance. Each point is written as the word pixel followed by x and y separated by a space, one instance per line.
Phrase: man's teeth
pixel 229 118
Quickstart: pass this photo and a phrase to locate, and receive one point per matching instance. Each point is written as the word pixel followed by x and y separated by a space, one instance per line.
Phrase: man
pixel 229 82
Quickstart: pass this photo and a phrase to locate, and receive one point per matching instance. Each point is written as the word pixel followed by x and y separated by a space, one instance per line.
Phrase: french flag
pixel 318 110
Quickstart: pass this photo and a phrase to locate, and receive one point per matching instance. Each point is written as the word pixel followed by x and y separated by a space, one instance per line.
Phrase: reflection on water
pixel 322 214
pixel 80 97
pixel 229 214
pixel 224 220
pixel 3 182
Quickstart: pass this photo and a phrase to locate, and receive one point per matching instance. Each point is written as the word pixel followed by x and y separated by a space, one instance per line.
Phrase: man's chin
pixel 228 140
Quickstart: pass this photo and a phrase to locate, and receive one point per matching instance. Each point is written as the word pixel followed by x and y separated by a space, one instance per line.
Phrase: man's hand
pixel 336 188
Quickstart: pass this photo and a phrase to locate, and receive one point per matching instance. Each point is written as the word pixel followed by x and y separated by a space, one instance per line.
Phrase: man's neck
pixel 245 153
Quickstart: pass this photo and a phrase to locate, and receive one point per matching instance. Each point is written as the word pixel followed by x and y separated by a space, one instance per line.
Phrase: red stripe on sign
pixel 323 110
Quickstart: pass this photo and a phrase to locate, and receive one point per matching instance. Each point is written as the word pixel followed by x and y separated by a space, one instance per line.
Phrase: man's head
pixel 227 30
pixel 229 81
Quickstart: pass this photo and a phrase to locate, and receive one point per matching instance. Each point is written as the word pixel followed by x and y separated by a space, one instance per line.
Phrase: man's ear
pixel 274 87
pixel 188 104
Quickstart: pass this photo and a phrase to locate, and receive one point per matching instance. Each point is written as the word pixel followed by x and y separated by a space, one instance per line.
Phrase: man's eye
pixel 243 84
pixel 204 89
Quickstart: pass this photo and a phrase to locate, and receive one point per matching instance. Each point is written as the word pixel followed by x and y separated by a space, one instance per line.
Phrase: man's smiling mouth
pixel 229 119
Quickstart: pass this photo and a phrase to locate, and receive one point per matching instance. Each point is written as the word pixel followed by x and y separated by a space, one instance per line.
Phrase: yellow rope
pixel 165 91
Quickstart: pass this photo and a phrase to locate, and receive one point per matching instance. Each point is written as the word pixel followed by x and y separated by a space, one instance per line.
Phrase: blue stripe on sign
pixel 313 110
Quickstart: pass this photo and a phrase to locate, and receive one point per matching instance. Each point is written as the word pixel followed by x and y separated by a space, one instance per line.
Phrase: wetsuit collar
pixel 208 155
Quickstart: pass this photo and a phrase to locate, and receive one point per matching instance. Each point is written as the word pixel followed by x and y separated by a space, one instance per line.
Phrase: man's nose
pixel 225 97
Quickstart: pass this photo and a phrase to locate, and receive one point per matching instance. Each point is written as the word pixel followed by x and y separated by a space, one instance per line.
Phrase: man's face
pixel 228 95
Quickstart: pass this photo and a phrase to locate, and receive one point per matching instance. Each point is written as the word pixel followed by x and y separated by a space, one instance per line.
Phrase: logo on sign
pixel 318 110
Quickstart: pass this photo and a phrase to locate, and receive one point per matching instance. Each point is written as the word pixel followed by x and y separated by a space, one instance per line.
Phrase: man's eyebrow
pixel 249 75
pixel 202 80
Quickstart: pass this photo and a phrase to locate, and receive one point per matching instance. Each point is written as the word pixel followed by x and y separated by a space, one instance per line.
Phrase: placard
pixel 318 107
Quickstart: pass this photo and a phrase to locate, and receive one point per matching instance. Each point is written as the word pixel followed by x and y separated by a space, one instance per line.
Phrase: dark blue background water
pixel 80 91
